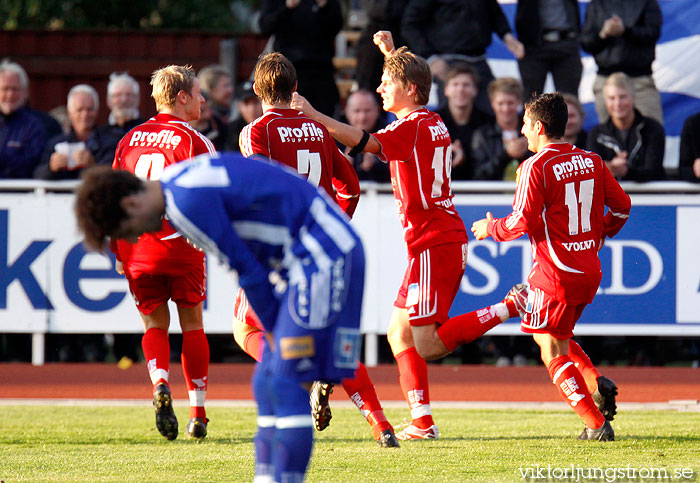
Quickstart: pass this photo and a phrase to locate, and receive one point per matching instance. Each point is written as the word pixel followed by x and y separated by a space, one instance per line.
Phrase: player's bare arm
pixel 384 41
pixel 480 228
pixel 345 133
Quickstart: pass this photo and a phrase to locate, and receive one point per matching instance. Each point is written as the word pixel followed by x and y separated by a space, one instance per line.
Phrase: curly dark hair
pixel 98 203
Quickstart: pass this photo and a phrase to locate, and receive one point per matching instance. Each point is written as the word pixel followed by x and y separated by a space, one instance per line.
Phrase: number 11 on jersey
pixel 585 197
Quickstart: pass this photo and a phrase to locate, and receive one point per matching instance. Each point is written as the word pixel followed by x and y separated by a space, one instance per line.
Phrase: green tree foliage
pixel 213 15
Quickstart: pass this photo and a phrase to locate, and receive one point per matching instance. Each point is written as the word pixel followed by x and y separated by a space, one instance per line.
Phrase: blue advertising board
pixel 639 292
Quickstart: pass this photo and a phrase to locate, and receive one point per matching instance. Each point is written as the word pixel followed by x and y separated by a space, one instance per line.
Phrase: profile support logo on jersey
pixel 161 139
pixel 577 165
pixel 438 131
pixel 579 246
pixel 307 132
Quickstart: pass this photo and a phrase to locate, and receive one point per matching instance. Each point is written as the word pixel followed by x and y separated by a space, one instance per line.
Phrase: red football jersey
pixel 291 138
pixel 145 151
pixel 560 201
pixel 418 150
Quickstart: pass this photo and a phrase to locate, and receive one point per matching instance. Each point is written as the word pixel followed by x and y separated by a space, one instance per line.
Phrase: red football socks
pixel 468 327
pixel 195 366
pixel 413 377
pixel 572 389
pixel 362 392
pixel 585 366
pixel 253 344
pixel 156 351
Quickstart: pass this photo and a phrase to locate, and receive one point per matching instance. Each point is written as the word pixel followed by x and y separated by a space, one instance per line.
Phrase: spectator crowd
pixel 483 114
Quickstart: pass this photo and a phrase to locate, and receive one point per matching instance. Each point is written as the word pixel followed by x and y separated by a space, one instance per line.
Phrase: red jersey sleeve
pixel 527 204
pixel 346 183
pixel 618 203
pixel 397 140
pixel 253 140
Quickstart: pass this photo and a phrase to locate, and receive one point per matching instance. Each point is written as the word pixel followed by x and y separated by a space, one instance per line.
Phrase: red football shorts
pixel 243 312
pixel 431 282
pixel 186 290
pixel 547 315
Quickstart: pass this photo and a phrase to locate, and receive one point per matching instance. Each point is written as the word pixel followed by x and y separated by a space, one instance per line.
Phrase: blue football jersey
pixel 262 219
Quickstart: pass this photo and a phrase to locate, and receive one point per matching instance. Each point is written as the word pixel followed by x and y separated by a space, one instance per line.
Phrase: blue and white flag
pixel 676 70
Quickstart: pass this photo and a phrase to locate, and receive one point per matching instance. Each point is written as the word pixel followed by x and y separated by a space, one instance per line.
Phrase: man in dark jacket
pixel 22 134
pixel 549 30
pixel 622 37
pixel 462 117
pixel 305 33
pixel 631 145
pixel 66 155
pixel 459 30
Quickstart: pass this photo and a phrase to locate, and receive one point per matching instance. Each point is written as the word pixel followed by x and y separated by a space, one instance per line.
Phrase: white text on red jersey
pixel 161 139
pixel 438 131
pixel 307 132
pixel 577 165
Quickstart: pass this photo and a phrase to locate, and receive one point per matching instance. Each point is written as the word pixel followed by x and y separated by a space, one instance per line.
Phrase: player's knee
pixel 399 334
pixel 428 344
pixel 429 351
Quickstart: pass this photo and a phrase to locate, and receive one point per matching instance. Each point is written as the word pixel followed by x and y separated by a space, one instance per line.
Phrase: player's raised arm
pixel 345 133
pixel 384 41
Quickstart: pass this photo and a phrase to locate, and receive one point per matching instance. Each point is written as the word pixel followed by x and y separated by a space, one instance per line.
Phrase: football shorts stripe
pixel 534 318
pixel 424 286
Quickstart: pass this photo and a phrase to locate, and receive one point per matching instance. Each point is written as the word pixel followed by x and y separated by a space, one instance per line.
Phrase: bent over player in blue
pixel 297 258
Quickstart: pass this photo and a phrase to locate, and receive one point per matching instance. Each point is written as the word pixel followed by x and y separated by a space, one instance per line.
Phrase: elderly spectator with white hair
pixel 123 102
pixel 22 134
pixel 66 154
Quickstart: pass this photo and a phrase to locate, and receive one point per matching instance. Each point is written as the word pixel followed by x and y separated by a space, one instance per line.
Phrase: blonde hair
pixel 406 67
pixel 621 80
pixel 168 81
pixel 506 85
pixel 209 76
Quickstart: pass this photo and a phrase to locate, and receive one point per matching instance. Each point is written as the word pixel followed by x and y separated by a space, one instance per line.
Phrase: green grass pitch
pixel 117 443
